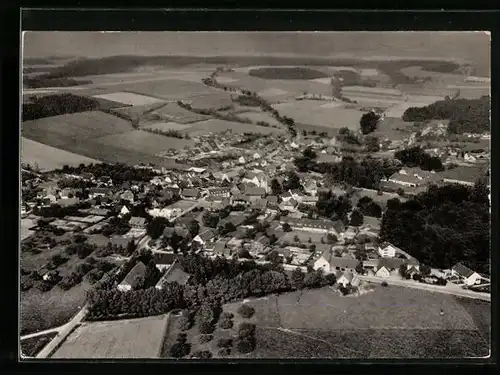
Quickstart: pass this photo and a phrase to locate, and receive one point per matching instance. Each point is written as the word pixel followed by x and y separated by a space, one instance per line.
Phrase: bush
pixel 185 323
pixel 246 311
pixel 225 343
pixel 226 324
pixel 206 327
pixel 246 345
pixel 182 338
pixel 203 339
pixel 384 283
pixel 179 350
pixel 224 352
pixel 246 330
pixel 227 315
pixel 202 354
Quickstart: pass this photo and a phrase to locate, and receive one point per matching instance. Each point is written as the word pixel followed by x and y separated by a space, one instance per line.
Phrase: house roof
pixel 462 270
pixel 343 262
pixel 255 191
pixel 190 192
pixel 259 204
pixel 272 199
pixel 390 263
pixel 412 269
pixel 139 221
pixel 404 178
pixel 119 241
pixel 174 274
pixel 101 190
pixel 348 276
pixel 68 202
pixel 138 270
pixel 164 258
pixel 467 174
pixel 168 231
pixel 220 247
pixel 207 235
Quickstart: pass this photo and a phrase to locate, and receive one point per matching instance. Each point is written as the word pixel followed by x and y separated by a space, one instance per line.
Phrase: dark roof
pixel 404 178
pixel 190 192
pixel 259 204
pixel 390 263
pixel 138 270
pixel 272 199
pixel 343 262
pixel 101 190
pixel 467 174
pixel 134 220
pixel 119 241
pixel 164 258
pixel 250 190
pixel 462 270
pixel 207 235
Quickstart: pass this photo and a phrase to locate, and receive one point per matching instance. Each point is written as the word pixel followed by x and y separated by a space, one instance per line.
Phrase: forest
pixel 443 226
pixel 118 172
pixel 465 115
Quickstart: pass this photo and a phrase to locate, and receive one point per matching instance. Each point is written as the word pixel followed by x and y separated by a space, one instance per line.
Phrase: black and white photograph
pixel 255 195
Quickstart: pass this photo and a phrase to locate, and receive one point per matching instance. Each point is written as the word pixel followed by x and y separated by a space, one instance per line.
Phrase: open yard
pixel 141 141
pixel 387 322
pixel 48 158
pixel 129 98
pixel 133 338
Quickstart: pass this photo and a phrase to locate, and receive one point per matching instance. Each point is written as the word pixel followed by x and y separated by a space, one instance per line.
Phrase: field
pixel 32 346
pixel 407 323
pixel 216 125
pixel 389 128
pixel 316 113
pixel 413 101
pixel 173 112
pixel 293 73
pixel 26 224
pixel 211 101
pixel 259 116
pixel 141 141
pixel 166 126
pixel 49 158
pixel 134 338
pixel 129 98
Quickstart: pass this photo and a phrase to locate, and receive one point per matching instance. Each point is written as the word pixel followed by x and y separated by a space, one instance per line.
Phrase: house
pixel 387 250
pixel 67 193
pixel 255 193
pixel 174 274
pixel 383 271
pixel 307 200
pixel 330 263
pixel 288 205
pixel 127 195
pixel 468 276
pixel 346 278
pixel 241 160
pixel 221 249
pixel 124 211
pixel 132 279
pixel 49 199
pixel 387 266
pixel 286 196
pixel 137 222
pixel 241 199
pixel 206 236
pixel 403 179
pixel 190 194
pixel 462 175
pixel 259 204
pixel 222 192
pixel 163 260
pixel 412 271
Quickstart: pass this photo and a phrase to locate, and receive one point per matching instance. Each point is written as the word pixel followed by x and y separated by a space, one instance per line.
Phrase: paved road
pixel 64 331
pixel 431 288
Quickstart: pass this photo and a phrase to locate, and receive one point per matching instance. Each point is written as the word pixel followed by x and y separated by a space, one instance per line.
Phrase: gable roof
pixel 343 262
pixel 272 199
pixel 207 235
pixel 404 178
pixel 164 258
pixel 390 263
pixel 190 193
pixel 139 221
pixel 255 191
pixel 174 274
pixel 348 276
pixel 462 270
pixel 138 270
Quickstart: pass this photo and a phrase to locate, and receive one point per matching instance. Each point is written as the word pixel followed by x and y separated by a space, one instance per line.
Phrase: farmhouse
pixel 330 263
pixel 462 175
pixel 174 273
pixel 387 250
pixel 132 279
pixel 468 276
pixel 387 267
pixel 190 194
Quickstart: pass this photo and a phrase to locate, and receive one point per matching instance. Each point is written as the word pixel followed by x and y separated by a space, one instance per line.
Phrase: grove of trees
pixel 417 157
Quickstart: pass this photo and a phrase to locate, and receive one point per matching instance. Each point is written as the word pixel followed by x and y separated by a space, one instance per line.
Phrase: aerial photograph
pixel 255 195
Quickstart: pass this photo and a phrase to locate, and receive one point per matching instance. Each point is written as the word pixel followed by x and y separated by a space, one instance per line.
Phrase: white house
pixel 241 160
pixel 124 211
pixel 468 276
pixel 347 278
pixel 387 250
pixel 383 272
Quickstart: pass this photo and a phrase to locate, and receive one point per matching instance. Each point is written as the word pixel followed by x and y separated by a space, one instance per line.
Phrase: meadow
pixel 216 125
pixel 133 338
pixel 165 126
pixel 48 158
pixel 173 112
pixel 407 324
pixel 129 98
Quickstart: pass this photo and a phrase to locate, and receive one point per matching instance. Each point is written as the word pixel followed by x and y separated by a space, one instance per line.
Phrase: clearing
pixel 131 338
pixel 129 98
pixel 141 141
pixel 324 324
pixel 48 158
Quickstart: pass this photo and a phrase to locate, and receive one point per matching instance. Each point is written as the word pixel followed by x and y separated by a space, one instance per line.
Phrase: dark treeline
pixel 40 81
pixel 443 226
pixel 60 104
pixel 118 172
pixel 465 115
pixel 213 282
pixel 417 157
pixel 287 73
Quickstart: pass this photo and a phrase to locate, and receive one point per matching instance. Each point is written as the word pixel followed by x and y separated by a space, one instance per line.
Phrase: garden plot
pixel 134 338
pixel 128 98
pixel 48 158
pixel 141 141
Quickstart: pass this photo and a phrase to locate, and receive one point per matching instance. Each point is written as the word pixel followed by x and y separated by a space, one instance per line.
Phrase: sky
pixel 470 46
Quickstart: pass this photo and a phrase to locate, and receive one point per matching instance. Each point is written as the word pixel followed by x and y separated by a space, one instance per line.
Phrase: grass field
pixel 314 113
pixel 141 141
pixel 165 126
pixel 134 338
pixel 76 126
pixel 49 158
pixel 129 98
pixel 292 73
pixel 259 116
pixel 216 125
pixel 387 322
pixel 32 346
pixel 388 128
pixel 173 112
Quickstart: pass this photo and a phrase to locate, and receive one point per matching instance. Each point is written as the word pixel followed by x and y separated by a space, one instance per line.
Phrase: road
pixel 431 288
pixel 62 332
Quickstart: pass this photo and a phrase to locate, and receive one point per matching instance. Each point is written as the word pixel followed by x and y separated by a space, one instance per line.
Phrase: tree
pixel 369 122
pixel 402 271
pixel 330 279
pixel 179 350
pixel 359 268
pixel 296 238
pixel 309 153
pixel 286 227
pixel 246 311
pixel 276 187
pixel 297 278
pixel 156 226
pixel 425 270
pixel 356 218
pixel 372 144
pixel 194 228
pixel 312 248
pixel 331 238
pixel 401 192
